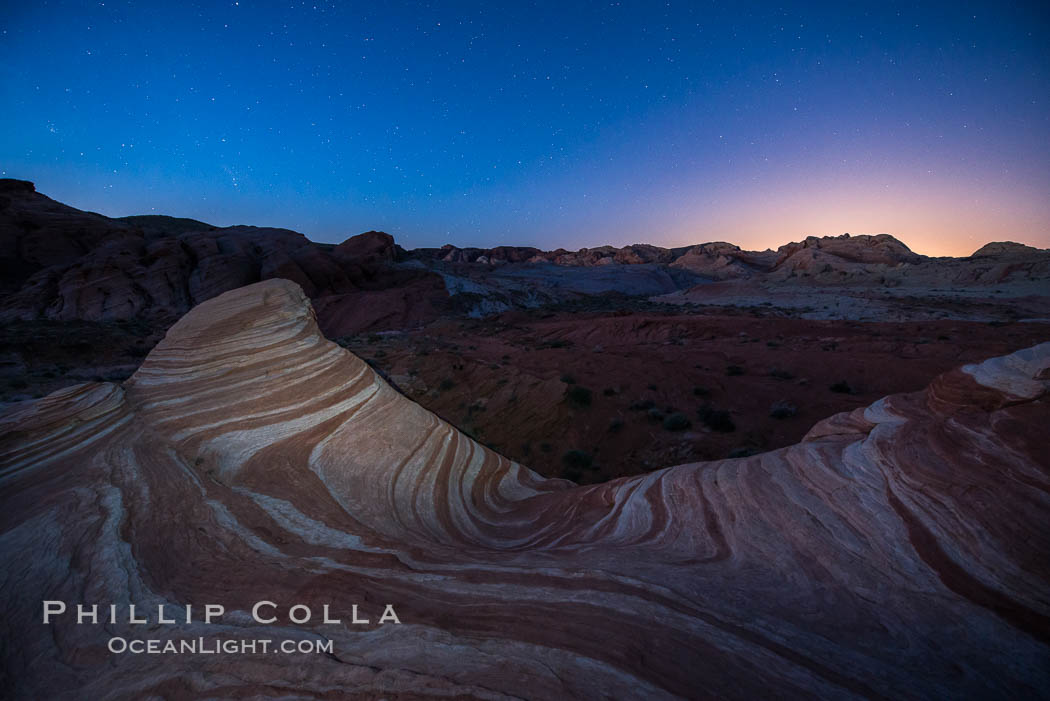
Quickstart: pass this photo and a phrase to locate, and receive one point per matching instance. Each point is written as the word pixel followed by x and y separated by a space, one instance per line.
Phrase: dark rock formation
pixel 61 263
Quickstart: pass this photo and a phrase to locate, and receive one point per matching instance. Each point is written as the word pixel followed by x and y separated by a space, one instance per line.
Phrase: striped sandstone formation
pixel 899 551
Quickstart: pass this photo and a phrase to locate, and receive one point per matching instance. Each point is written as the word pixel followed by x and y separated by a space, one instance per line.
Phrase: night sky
pixel 546 124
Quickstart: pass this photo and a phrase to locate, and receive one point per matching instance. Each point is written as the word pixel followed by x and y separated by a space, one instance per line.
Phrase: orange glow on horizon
pixel 932 222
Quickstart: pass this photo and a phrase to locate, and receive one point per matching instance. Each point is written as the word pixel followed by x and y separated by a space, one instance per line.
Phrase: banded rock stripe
pixel 899 551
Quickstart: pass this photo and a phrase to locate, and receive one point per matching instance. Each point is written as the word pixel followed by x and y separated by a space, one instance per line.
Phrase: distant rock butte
pixel 1007 248
pixel 899 551
pixel 880 249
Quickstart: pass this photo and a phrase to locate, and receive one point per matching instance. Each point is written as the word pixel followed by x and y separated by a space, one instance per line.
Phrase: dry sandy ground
pixel 536 387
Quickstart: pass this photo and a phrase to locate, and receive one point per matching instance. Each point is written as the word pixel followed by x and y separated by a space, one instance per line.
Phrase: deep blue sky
pixel 548 124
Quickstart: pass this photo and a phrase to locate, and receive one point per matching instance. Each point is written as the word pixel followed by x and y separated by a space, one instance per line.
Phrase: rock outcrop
pixel 899 551
pixel 881 249
pixel 1006 248
pixel 724 261
pixel 834 261
pixel 60 263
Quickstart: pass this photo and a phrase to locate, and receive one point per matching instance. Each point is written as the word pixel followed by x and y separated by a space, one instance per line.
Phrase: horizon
pixel 470 246
pixel 524 245
pixel 563 125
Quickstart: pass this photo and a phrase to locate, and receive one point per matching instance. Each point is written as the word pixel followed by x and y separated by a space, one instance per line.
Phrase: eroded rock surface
pixel 899 551
pixel 59 263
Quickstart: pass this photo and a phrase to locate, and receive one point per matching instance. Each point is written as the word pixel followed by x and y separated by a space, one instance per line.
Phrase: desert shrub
pixel 743 451
pixel 546 447
pixel 653 387
pixel 616 425
pixel 701 392
pixel 578 396
pixel 734 370
pixel 17 383
pixel 642 405
pixel 781 374
pixel 574 474
pixel 677 422
pixel 782 410
pixel 655 415
pixel 842 387
pixel 716 419
pixel 568 379
pixel 609 391
pixel 446 384
pixel 577 459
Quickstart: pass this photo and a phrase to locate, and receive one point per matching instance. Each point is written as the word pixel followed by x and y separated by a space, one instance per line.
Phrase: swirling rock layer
pixel 899 551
